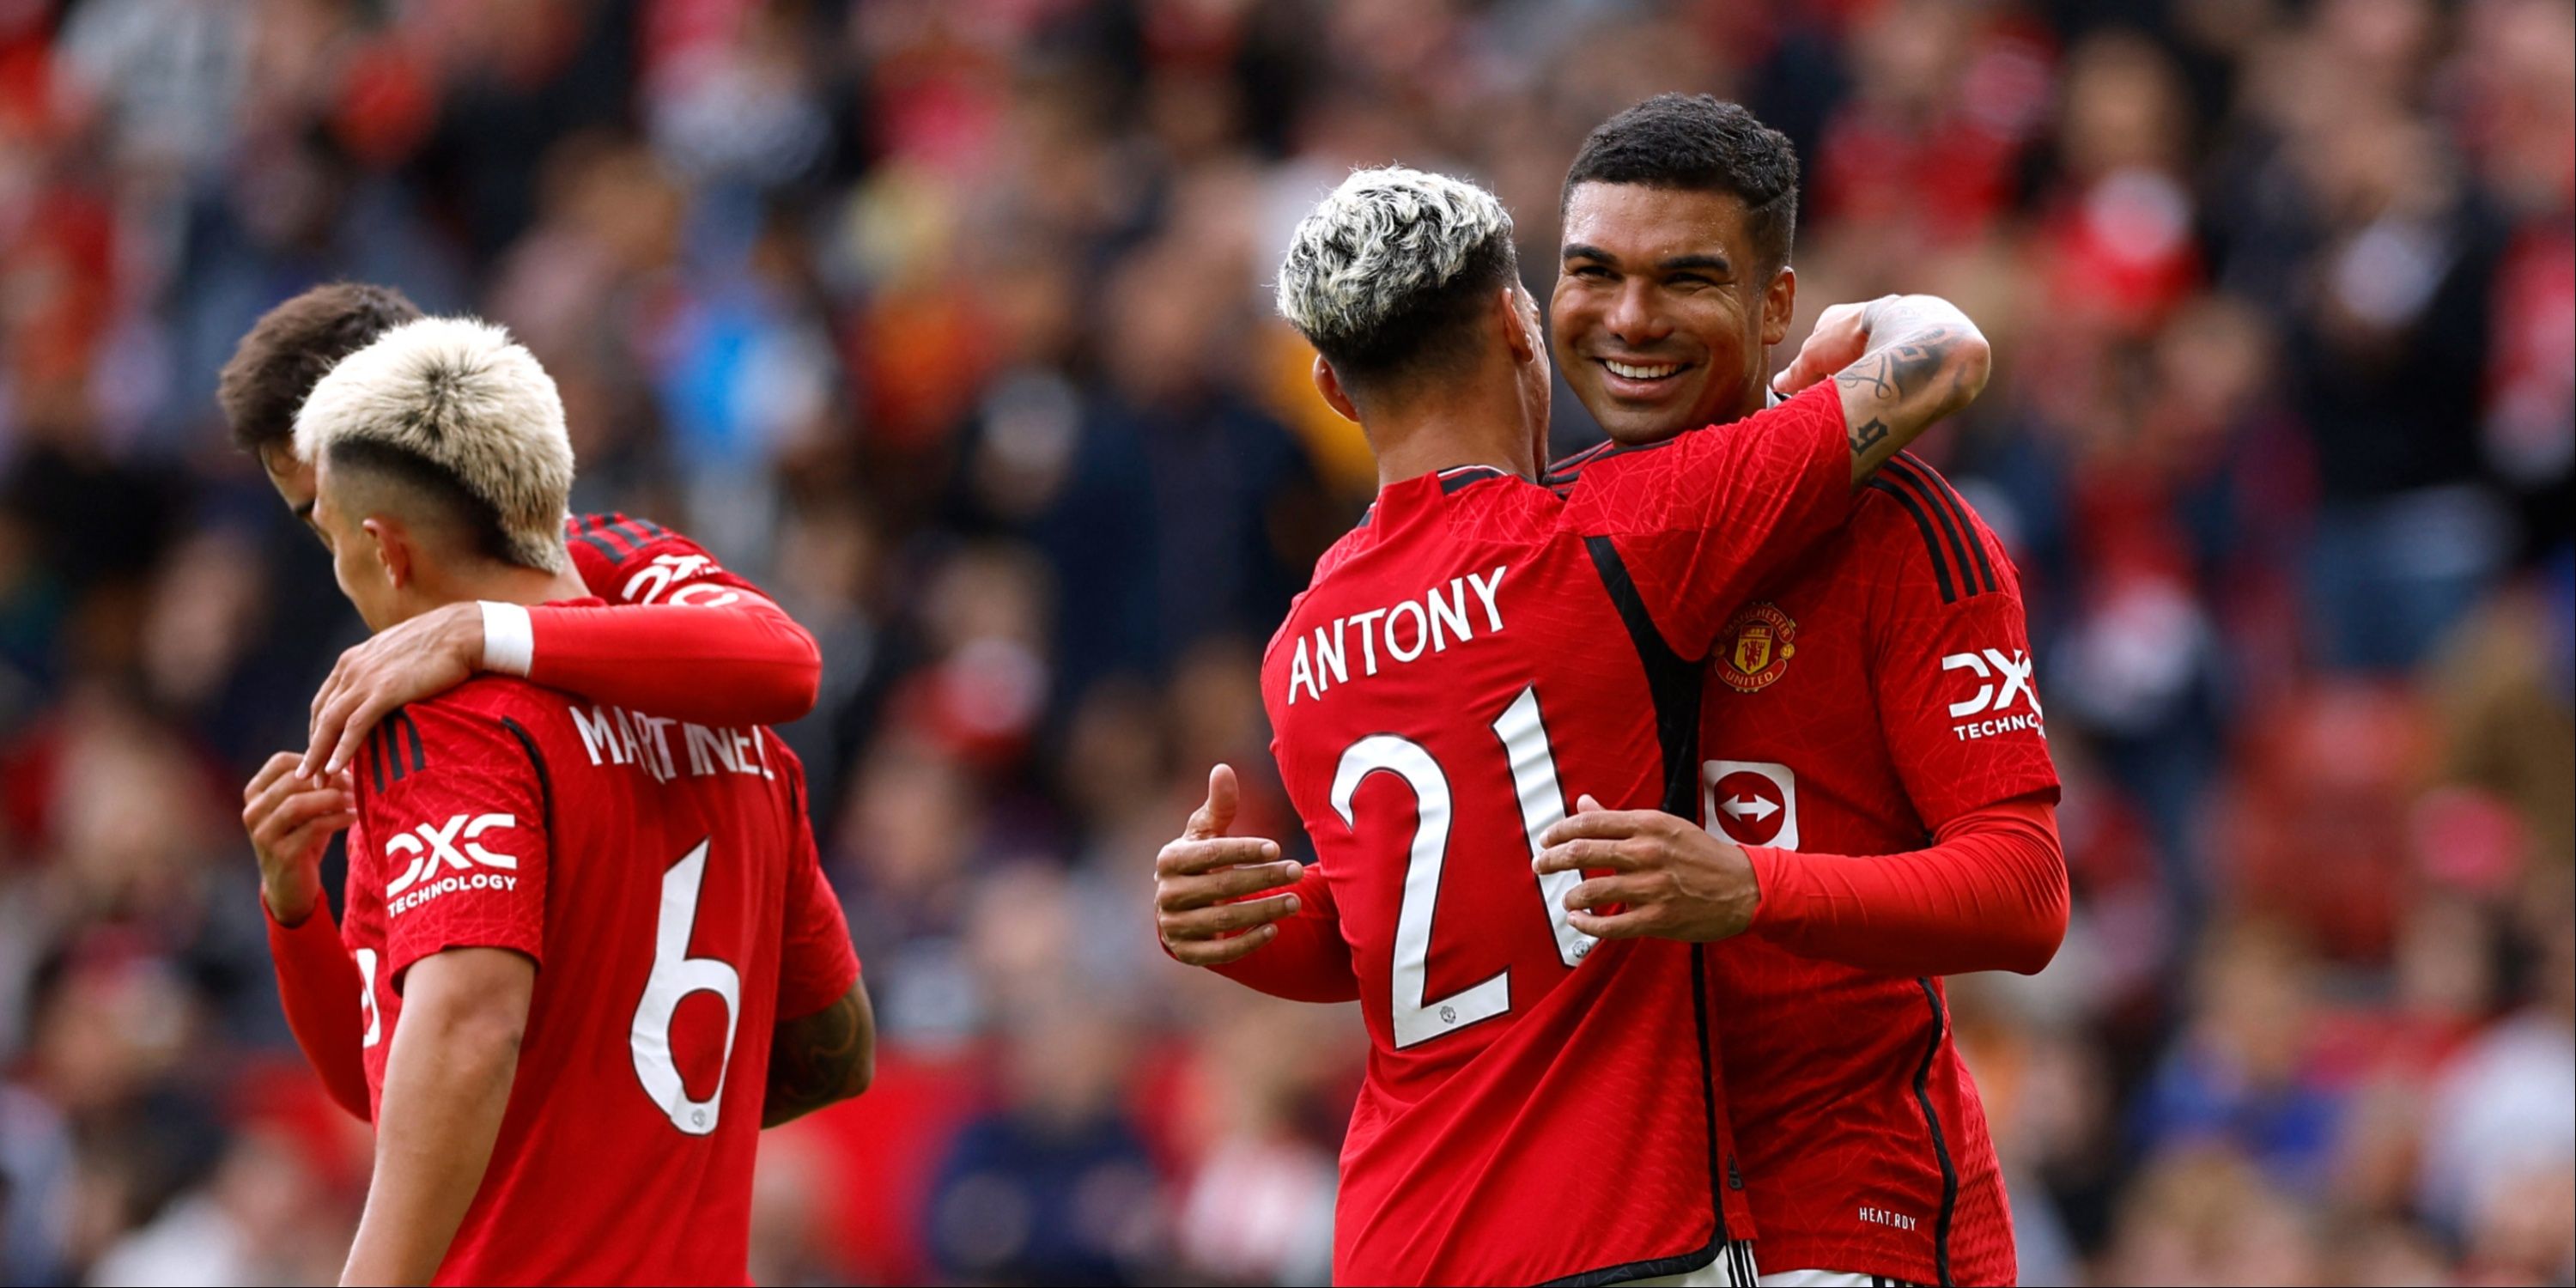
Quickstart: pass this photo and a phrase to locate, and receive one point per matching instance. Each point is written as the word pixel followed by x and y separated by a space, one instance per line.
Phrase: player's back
pixel 1538 1104
pixel 649 867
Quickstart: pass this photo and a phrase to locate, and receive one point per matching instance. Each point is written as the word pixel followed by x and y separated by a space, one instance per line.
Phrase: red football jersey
pixel 1538 1105
pixel 627 560
pixel 663 877
pixel 1864 696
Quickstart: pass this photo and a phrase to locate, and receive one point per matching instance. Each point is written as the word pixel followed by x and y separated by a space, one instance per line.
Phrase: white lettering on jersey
pixel 651 582
pixel 2001 682
pixel 617 736
pixel 1428 625
pixel 434 848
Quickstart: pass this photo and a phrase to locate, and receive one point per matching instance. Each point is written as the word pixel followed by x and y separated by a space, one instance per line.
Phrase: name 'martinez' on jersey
pixel 617 736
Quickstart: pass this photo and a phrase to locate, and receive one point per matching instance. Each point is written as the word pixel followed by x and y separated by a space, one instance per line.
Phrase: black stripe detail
pixel 1931 539
pixel 1680 1263
pixel 627 529
pixel 375 754
pixel 1568 468
pixel 1931 495
pixel 1451 482
pixel 1674 682
pixel 1707 1073
pixel 596 544
pixel 596 525
pixel 392 753
pixel 1609 450
pixel 1967 522
pixel 657 530
pixel 1562 477
pixel 1932 1122
pixel 545 781
pixel 419 757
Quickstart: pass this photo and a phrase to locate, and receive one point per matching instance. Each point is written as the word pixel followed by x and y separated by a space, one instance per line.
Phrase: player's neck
pixel 505 584
pixel 1424 435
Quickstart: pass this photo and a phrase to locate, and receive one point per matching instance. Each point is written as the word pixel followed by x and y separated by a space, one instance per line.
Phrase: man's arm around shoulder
pixel 821 1059
pixel 1902 362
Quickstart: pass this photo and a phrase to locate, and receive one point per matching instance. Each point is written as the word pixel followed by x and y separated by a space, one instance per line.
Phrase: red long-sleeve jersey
pixel 662 877
pixel 1868 698
pixel 1539 1105
pixel 1874 696
pixel 679 637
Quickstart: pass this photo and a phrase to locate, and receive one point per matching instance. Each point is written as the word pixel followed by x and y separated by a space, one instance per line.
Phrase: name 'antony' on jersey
pixel 1437 620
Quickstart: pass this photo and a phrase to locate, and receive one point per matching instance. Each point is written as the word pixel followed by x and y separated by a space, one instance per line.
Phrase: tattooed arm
pixel 821 1059
pixel 1902 362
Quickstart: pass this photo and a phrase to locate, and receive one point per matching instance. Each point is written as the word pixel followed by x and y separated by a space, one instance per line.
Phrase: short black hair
pixel 1435 330
pixel 292 347
pixel 475 518
pixel 1700 143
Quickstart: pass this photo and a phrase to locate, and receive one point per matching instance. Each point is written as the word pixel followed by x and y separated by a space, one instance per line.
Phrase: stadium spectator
pixel 850 291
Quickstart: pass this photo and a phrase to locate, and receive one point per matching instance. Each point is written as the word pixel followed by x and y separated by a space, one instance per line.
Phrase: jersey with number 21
pixel 1476 654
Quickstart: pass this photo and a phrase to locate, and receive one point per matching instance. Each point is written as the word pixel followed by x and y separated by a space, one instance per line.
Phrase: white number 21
pixel 1542 804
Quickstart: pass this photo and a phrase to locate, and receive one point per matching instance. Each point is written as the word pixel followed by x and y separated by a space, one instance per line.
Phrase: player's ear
pixel 392 548
pixel 1330 386
pixel 1522 330
pixel 1779 305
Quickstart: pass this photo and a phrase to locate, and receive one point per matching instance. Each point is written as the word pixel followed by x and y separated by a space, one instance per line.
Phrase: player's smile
pixel 1642 381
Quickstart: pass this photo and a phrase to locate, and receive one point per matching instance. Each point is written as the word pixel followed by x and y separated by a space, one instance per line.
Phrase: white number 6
pixel 675 976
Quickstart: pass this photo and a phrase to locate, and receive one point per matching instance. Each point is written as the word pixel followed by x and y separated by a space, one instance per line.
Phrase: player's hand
pixel 420 658
pixel 1671 878
pixel 1840 337
pixel 290 818
pixel 1197 876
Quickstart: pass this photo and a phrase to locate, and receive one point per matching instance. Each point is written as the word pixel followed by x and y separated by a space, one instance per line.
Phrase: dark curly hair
pixel 292 347
pixel 1705 144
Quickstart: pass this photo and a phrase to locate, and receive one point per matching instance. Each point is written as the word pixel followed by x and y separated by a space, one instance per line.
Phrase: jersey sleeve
pixel 687 639
pixel 319 988
pixel 455 804
pixel 819 963
pixel 1308 961
pixel 1695 521
pixel 1950 653
pixel 1988 894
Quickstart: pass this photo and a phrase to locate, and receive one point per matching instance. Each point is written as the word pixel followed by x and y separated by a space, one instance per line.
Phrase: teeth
pixel 1641 373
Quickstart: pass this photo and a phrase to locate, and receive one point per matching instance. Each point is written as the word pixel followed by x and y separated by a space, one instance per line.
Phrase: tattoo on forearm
pixel 1925 360
pixel 1901 369
pixel 815 1061
pixel 1865 437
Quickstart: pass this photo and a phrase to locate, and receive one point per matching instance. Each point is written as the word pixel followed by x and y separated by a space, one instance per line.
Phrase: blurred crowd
pixel 946 320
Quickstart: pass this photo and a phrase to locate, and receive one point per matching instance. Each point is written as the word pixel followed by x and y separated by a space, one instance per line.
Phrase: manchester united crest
pixel 1755 648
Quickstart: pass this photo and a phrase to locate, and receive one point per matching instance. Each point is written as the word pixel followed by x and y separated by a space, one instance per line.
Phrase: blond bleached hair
pixel 459 394
pixel 1377 249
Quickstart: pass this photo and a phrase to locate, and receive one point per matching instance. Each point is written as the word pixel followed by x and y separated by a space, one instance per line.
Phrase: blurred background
pixel 945 320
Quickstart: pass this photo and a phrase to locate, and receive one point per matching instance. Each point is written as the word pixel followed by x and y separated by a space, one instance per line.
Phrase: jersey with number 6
pixel 663 879
pixel 1476 655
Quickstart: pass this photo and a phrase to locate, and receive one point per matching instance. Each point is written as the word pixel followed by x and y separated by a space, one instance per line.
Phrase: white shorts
pixel 1827 1279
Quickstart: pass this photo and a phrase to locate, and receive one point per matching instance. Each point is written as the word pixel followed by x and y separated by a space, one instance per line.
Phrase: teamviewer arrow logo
pixel 1741 808
pixel 1750 802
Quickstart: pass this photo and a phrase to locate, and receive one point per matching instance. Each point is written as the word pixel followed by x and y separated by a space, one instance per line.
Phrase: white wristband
pixel 509 638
